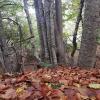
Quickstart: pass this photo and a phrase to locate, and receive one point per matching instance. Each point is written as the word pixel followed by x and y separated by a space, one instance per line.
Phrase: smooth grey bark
pixel 91 25
pixel 48 26
pixel 39 28
pixel 62 57
pixel 49 18
pixel 42 29
pixel 30 25
pixel 52 35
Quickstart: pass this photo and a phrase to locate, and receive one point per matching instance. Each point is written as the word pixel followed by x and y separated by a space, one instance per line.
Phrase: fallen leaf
pixel 19 90
pixel 9 94
pixel 25 95
pixel 94 86
pixel 70 93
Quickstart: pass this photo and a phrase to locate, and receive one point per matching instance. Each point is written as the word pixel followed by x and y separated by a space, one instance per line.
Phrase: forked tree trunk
pixel 42 29
pixel 51 41
pixel 91 27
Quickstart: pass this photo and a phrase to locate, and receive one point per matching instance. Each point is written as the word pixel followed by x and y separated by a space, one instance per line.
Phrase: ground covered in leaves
pixel 60 83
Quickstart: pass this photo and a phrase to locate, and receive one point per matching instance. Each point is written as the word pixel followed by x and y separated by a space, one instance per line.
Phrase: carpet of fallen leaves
pixel 59 83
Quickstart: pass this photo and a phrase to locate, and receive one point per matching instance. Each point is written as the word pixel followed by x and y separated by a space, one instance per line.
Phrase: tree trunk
pixel 48 26
pixel 30 25
pixel 20 65
pixel 2 64
pixel 91 25
pixel 53 42
pixel 8 57
pixel 4 49
pixel 42 27
pixel 39 28
pixel 62 57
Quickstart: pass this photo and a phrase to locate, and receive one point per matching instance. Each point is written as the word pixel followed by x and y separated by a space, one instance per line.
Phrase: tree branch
pixel 25 39
pixel 79 18
pixel 11 20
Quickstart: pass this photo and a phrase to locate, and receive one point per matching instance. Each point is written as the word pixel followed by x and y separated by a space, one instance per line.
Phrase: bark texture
pixel 2 64
pixel 61 54
pixel 6 65
pixel 91 25
pixel 42 29
pixel 49 21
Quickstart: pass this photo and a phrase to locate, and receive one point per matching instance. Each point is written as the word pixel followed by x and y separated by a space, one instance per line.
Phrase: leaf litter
pixel 59 83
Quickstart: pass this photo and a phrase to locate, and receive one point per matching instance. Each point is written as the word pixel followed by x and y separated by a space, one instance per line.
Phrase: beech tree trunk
pixel 42 29
pixel 39 28
pixel 48 26
pixel 48 20
pixel 62 57
pixel 91 27
pixel 52 35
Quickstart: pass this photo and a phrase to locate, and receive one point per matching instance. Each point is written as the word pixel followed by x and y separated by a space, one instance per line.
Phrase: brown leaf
pixel 65 82
pixel 3 87
pixel 71 94
pixel 98 94
pixel 9 94
pixel 25 95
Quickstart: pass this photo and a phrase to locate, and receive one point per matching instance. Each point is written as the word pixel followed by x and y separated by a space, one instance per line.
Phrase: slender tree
pixel 52 30
pixel 79 18
pixel 62 56
pixel 30 25
pixel 48 25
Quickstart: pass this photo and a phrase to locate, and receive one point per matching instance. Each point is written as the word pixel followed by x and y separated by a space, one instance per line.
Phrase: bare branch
pixel 11 20
pixel 79 18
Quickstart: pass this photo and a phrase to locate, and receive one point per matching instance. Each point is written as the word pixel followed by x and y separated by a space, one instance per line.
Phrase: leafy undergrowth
pixel 59 83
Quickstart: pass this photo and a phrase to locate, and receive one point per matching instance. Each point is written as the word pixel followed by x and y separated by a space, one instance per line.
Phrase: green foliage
pixel 70 10
pixel 98 39
pixel 46 64
pixel 55 86
pixel 13 8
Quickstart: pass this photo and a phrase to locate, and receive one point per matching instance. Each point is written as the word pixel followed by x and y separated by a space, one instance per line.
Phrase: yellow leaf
pixel 19 90
pixel 76 85
pixel 94 86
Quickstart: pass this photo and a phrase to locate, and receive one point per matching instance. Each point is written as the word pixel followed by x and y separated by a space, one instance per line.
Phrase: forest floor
pixel 59 83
